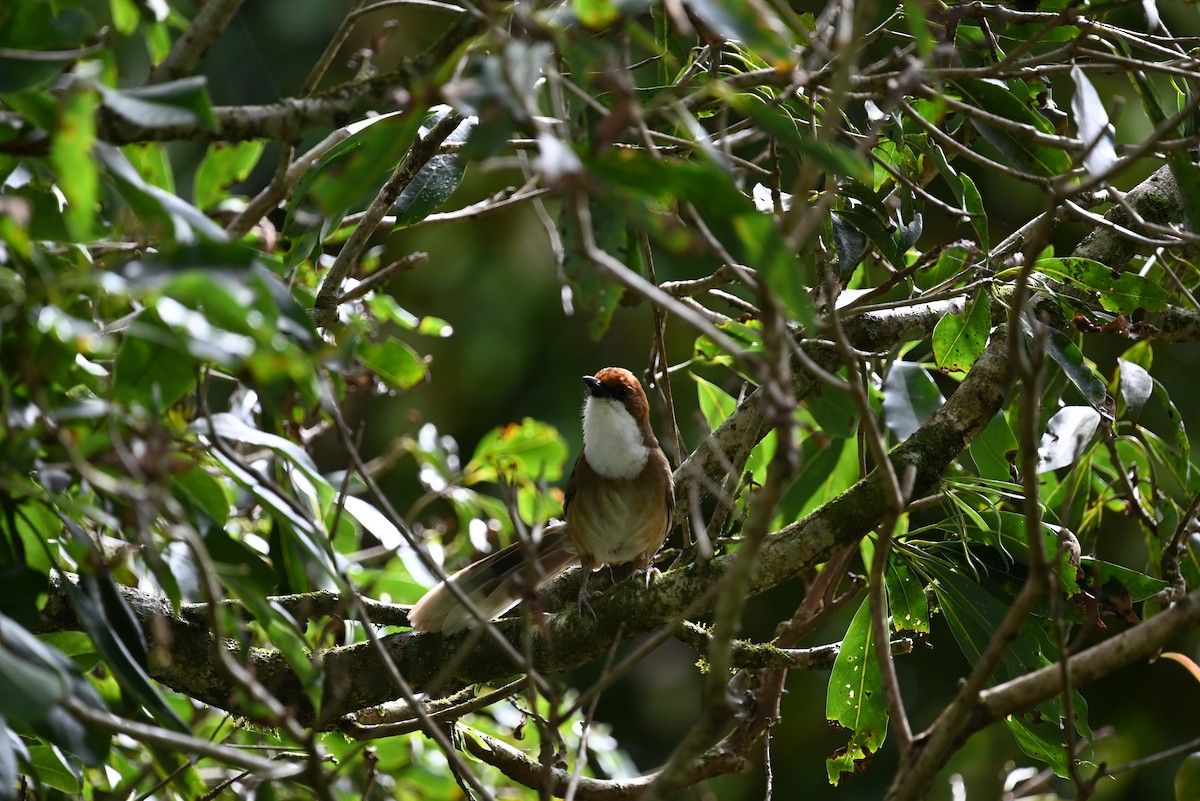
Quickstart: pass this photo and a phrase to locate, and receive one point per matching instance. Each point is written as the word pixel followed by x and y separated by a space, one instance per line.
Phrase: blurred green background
pixel 515 352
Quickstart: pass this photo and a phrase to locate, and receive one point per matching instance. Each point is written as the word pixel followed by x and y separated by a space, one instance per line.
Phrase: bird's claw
pixel 648 573
pixel 585 605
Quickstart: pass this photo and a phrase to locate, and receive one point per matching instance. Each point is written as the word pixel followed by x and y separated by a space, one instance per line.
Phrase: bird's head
pixel 616 423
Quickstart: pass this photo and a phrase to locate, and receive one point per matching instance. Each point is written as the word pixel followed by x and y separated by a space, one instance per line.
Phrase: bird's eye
pixel 618 391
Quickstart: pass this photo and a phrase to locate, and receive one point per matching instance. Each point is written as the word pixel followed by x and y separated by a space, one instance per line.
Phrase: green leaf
pixel 199 489
pixel 834 158
pixel 672 180
pixel 224 164
pixel 973 202
pixel 1091 120
pixel 991 448
pixel 1020 150
pixel 766 251
pixel 1136 386
pixel 974 615
pixel 1184 171
pixel 1121 292
pixel 106 617
pixel 436 181
pixel 394 362
pixel 592 291
pixel 37 26
pixel 958 339
pixel 349 176
pixel 1139 585
pixel 71 155
pixel 950 262
pixel 906 597
pixel 50 767
pixel 753 24
pixel 1067 355
pixel 531 449
pixel 35 678
pixel 184 102
pixel 168 216
pixel 855 699
pixel 717 405
pixel 877 231
pixel 153 367
pixel 910 397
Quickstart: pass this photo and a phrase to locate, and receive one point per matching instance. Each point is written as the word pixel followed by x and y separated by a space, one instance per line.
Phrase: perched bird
pixel 619 502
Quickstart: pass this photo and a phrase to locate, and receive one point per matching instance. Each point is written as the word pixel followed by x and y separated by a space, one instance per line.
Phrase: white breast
pixel 612 441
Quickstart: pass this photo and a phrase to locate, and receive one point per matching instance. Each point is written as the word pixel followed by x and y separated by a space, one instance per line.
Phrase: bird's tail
pixel 495 583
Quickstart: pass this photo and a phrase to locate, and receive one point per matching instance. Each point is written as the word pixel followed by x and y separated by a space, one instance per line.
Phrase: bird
pixel 618 507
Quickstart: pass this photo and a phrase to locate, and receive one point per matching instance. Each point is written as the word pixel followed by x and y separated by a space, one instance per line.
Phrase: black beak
pixel 594 386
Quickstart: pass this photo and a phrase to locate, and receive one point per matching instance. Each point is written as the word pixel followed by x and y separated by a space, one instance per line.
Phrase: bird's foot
pixel 585 605
pixel 647 574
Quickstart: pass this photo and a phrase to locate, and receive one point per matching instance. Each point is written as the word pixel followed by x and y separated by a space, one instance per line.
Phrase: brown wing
pixel 569 493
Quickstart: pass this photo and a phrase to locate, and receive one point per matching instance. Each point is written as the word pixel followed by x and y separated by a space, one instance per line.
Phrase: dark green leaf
pixel 974 615
pixel 36 26
pixel 765 250
pixel 851 245
pixel 1069 357
pixel 910 397
pixel 834 158
pixel 106 617
pixel 435 182
pixel 153 367
pixel 1020 150
pixel 591 290
pixel 672 180
pixel 754 24
pixel 183 102
pixel 1122 292
pixel 1139 585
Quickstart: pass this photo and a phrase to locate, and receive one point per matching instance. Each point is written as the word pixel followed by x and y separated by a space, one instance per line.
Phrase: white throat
pixel 612 440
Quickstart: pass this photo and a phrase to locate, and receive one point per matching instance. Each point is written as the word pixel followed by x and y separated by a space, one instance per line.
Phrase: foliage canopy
pixel 929 319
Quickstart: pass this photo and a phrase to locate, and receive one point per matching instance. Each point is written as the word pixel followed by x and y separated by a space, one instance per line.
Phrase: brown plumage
pixel 619 502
